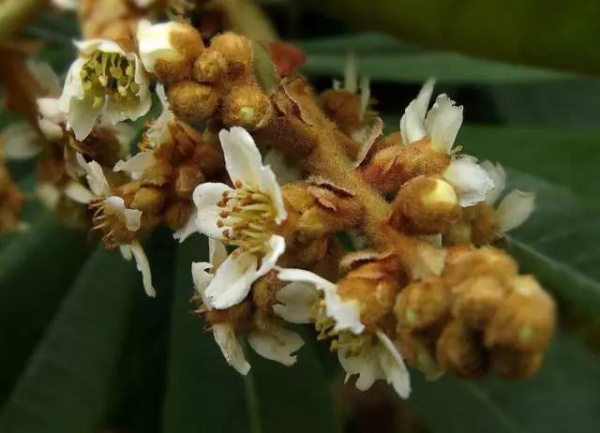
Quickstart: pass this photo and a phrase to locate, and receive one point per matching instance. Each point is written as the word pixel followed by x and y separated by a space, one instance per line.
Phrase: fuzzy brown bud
pixel 477 300
pixel 193 102
pixel 239 316
pixel 394 165
pixel 248 107
pixel 209 66
pixel 344 108
pixel 486 261
pixel 188 177
pixel 459 350
pixel 425 205
pixel 177 214
pixel 423 305
pixel 374 290
pixel 236 50
pixel 148 200
pixel 513 365
pixel 525 320
pixel 418 352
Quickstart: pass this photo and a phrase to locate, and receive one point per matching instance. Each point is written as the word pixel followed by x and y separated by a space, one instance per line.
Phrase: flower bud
pixel 373 289
pixel 236 50
pixel 425 205
pixel 417 351
pixel 209 66
pixel 239 316
pixel 193 102
pixel 525 321
pixel 344 108
pixel 248 107
pixel 486 261
pixel 477 300
pixel 187 178
pixel 168 49
pixel 512 365
pixel 177 214
pixel 423 305
pixel 459 351
pixel 394 165
pixel 148 200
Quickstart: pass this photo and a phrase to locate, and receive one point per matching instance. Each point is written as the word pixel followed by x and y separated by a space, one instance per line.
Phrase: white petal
pixel 154 43
pixel 81 118
pixel 217 253
pixel 393 366
pixel 125 251
pixel 275 249
pixel 443 123
pixel 20 141
pixel 202 279
pixel 232 281
pixel 188 229
pixel 350 74
pixel 95 176
pixel 144 267
pixel 159 132
pixel 365 96
pixel 132 217
pixel 78 193
pixel 471 181
pixel 346 313
pixel 206 196
pixel 514 209
pixel 231 348
pixel 301 275
pixel 269 185
pixel 365 364
pixel 297 300
pixel 66 5
pixel 498 175
pixel 242 158
pixel 276 344
pixel 137 164
pixel 51 130
pixel 411 125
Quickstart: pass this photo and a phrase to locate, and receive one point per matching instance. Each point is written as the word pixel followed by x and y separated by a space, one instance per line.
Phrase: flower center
pixel 248 217
pixel 109 74
pixel 353 344
pixel 110 224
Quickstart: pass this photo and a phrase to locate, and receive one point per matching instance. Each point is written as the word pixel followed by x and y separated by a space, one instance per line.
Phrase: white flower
pixel 137 164
pixel 99 197
pixel 274 343
pixel 378 360
pixel 155 42
pixel 345 313
pixel 371 357
pixel 516 207
pixel 441 125
pixel 159 131
pixel 471 181
pixel 243 216
pixel 104 79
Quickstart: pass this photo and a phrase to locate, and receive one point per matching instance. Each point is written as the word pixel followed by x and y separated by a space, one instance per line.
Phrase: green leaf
pixel 551 33
pixel 67 381
pixel 203 392
pixel 292 399
pixel 560 398
pixel 37 267
pixel 384 58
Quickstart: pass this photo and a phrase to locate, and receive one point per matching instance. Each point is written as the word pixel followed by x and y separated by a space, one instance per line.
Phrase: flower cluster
pixel 424 285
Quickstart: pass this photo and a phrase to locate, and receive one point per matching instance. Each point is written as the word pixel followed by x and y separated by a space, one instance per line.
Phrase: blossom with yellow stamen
pixel 245 217
pixel 110 212
pixel 310 298
pixel 104 79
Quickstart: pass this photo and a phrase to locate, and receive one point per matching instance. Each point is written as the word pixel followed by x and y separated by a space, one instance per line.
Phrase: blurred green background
pixel 83 350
